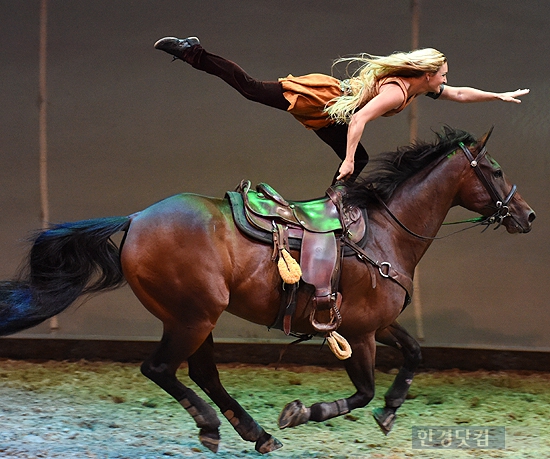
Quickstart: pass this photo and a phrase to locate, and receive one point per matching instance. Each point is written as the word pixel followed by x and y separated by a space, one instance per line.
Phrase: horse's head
pixel 488 191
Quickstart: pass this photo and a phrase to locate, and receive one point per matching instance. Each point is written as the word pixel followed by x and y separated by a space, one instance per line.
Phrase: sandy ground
pixel 109 410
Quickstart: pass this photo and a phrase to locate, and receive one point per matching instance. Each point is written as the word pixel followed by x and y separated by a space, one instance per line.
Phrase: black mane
pixel 391 169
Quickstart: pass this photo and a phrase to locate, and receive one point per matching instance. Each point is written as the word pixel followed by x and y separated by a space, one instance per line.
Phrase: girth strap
pixel 386 270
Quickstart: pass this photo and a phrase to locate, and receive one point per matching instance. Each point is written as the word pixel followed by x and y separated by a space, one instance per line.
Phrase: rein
pixel 502 209
pixel 478 221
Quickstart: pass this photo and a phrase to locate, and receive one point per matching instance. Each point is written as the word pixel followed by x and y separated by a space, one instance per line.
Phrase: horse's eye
pixel 498 173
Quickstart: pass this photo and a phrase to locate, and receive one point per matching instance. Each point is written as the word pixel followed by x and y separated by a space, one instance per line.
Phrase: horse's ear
pixel 483 141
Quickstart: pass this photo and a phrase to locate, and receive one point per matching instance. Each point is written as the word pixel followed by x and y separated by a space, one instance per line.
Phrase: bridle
pixel 501 205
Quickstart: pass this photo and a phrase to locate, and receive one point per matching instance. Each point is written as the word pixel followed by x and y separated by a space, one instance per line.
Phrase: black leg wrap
pixel 204 415
pixel 250 430
pixel 396 394
pixel 323 411
pixel 245 426
pixel 395 397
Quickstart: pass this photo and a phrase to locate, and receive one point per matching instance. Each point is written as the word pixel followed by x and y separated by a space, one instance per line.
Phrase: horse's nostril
pixel 532 217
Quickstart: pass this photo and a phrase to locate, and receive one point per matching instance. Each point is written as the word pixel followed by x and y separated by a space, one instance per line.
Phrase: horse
pixel 187 263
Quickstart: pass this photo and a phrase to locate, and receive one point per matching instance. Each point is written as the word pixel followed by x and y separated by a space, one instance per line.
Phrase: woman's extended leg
pixel 189 50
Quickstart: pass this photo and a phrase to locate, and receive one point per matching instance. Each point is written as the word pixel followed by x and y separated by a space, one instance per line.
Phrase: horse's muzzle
pixel 515 225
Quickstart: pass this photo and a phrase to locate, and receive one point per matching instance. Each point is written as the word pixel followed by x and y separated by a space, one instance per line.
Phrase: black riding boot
pixel 179 48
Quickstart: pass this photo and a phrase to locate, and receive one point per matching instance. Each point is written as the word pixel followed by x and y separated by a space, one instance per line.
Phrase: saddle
pixel 314 228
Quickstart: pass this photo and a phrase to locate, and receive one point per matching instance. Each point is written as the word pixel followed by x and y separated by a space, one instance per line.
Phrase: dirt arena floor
pixel 86 409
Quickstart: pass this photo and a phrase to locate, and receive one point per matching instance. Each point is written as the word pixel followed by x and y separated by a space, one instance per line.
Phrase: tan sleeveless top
pixel 406 98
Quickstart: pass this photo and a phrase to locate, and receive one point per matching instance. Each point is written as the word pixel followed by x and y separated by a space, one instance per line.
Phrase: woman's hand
pixel 512 95
pixel 346 169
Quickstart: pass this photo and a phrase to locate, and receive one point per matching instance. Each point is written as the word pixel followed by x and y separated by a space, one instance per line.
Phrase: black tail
pixel 66 261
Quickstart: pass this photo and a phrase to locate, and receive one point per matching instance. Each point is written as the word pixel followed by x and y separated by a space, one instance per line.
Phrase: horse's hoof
pixel 210 439
pixel 294 414
pixel 267 444
pixel 385 418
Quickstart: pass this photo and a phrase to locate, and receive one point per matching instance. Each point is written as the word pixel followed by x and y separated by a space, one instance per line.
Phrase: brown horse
pixel 187 262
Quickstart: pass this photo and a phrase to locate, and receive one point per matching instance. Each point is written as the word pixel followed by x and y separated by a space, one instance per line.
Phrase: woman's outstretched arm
pixel 466 94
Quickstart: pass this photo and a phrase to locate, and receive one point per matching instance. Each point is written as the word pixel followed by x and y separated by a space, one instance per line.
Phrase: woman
pixel 337 110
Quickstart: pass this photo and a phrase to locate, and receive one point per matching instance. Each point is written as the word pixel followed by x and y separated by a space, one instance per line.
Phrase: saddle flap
pixel 318 259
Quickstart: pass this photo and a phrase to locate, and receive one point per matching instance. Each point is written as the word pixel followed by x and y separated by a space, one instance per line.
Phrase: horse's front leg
pixel 202 370
pixel 360 369
pixel 397 337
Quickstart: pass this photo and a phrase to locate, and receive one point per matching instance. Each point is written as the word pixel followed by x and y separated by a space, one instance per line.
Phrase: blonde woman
pixel 337 111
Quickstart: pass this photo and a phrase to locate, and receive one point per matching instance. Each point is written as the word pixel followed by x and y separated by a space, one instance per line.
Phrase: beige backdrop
pixel 127 127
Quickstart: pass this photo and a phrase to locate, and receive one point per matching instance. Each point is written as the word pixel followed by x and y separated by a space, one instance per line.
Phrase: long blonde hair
pixel 361 86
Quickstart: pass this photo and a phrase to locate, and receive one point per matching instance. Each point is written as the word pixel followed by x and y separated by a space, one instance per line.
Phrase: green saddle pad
pixel 318 215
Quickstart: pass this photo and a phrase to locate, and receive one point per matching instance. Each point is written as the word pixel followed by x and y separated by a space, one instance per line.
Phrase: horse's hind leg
pixel 161 368
pixel 397 337
pixel 360 369
pixel 202 370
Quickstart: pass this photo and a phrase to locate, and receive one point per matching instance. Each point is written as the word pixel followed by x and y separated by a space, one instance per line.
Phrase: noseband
pixel 501 206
